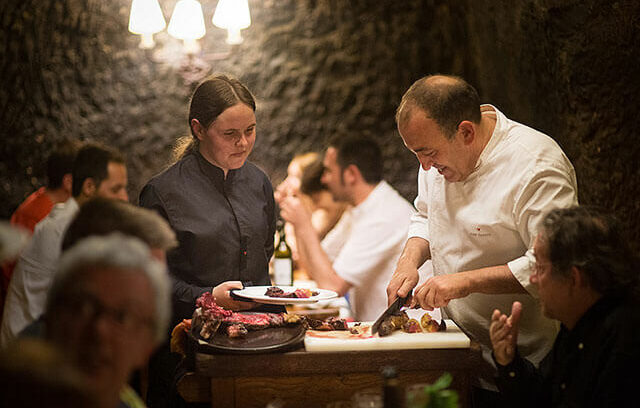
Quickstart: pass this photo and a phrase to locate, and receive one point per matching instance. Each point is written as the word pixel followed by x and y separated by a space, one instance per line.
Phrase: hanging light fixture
pixel 187 24
pixel 234 16
pixel 146 19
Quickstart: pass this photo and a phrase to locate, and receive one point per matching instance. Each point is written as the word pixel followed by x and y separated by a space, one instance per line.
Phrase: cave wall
pixel 569 68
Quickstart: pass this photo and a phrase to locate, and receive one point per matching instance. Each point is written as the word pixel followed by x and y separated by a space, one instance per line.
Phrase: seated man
pixel 97 172
pixel 107 310
pixel 371 238
pixel 39 203
pixel 587 278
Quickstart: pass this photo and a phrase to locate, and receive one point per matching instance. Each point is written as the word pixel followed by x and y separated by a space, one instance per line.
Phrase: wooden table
pixel 304 379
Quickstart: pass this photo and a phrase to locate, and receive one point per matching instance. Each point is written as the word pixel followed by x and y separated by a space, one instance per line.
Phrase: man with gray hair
pixel 108 308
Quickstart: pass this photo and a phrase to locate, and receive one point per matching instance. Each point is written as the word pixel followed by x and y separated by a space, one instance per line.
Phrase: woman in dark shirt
pixel 220 205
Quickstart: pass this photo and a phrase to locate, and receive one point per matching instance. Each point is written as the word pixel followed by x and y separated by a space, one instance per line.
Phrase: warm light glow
pixel 187 20
pixel 146 19
pixel 234 16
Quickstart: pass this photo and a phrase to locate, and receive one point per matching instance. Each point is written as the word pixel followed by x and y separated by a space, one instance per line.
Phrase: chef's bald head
pixel 446 99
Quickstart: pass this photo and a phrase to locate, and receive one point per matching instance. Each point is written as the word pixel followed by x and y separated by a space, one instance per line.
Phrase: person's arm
pixel 518 380
pixel 312 256
pixel 415 253
pixel 438 290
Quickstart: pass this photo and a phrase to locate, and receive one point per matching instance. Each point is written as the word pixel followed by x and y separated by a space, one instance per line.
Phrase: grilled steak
pixel 209 318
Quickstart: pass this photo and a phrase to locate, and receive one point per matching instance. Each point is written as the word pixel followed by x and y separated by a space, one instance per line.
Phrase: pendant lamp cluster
pixel 187 21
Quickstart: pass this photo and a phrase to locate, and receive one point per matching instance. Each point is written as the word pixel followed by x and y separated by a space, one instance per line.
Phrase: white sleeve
pixel 553 187
pixel 420 220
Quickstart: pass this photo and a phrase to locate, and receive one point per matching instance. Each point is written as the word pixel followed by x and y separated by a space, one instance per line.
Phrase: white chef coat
pixel 33 274
pixel 491 219
pixel 374 237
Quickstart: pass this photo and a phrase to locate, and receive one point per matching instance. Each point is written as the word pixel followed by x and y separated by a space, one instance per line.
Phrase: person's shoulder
pixel 174 173
pixel 254 172
pixel 393 197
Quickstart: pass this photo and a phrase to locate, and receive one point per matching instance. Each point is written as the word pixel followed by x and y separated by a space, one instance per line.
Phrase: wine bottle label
pixel 282 271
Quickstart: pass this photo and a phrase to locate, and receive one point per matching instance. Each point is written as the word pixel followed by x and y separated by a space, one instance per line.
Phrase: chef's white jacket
pixel 491 218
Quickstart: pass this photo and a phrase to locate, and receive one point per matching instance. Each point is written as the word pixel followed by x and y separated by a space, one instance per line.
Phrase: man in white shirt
pixel 485 184
pixel 97 171
pixel 372 233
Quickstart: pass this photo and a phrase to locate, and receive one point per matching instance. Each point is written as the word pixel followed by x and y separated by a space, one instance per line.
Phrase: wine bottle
pixel 391 391
pixel 282 260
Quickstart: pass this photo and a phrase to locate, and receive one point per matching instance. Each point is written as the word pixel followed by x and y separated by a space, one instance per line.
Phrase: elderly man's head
pixel 581 254
pixel 108 308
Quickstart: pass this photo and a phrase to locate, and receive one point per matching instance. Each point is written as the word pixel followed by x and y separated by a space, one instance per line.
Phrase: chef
pixel 485 182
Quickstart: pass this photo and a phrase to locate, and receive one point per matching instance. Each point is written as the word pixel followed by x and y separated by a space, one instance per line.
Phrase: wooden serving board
pixel 318 341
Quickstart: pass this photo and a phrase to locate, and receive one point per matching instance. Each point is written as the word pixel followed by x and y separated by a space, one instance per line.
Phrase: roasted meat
pixel 331 323
pixel 209 318
pixel 275 291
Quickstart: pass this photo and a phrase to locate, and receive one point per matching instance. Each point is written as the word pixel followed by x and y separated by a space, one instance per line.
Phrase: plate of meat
pixel 216 330
pixel 284 295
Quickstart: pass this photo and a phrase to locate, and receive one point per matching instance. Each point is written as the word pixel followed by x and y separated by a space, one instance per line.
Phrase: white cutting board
pixel 453 337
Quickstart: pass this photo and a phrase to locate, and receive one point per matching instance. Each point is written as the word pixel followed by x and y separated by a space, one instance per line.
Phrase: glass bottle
pixel 282 259
pixel 391 392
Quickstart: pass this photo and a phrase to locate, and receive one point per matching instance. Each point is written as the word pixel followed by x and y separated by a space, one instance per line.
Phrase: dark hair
pixel 592 240
pixel 446 99
pixel 361 151
pixel 311 180
pixel 60 162
pixel 102 216
pixel 92 162
pixel 212 97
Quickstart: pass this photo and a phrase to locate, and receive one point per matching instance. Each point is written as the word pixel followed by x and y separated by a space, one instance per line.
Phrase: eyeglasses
pixel 89 308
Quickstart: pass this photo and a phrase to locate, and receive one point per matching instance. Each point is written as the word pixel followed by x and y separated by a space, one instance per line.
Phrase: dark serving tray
pixel 260 341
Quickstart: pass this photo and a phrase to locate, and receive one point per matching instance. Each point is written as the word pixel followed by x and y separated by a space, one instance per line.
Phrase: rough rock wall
pixel 569 68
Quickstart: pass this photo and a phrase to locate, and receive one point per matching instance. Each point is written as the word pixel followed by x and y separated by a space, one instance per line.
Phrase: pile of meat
pixel 401 321
pixel 210 318
pixel 275 291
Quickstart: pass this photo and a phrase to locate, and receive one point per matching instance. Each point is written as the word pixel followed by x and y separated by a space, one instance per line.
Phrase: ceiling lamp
pixel 187 24
pixel 232 15
pixel 146 19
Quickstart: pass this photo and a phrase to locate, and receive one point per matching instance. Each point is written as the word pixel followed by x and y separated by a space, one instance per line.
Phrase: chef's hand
pixel 404 279
pixel 437 291
pixel 293 210
pixel 504 334
pixel 223 299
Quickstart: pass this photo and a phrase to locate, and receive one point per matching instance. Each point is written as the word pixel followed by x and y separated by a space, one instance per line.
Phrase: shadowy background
pixel 568 68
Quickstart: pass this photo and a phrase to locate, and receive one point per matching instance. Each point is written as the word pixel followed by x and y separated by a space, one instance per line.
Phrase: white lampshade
pixel 187 20
pixel 233 15
pixel 146 19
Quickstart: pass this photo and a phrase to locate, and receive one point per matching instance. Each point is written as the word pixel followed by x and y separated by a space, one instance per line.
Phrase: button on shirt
pixel 491 219
pixel 32 277
pixel 374 234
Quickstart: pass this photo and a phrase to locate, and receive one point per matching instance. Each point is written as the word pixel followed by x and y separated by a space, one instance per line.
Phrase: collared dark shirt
pixel 225 227
pixel 594 365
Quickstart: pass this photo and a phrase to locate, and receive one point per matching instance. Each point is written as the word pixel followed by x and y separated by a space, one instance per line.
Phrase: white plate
pixel 257 294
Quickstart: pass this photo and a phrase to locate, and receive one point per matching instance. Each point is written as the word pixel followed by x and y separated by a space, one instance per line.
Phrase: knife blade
pixel 395 306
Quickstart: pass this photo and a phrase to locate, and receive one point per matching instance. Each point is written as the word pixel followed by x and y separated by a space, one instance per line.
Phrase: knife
pixel 391 310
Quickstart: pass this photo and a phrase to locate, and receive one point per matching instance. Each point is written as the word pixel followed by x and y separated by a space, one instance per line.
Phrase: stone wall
pixel 569 68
